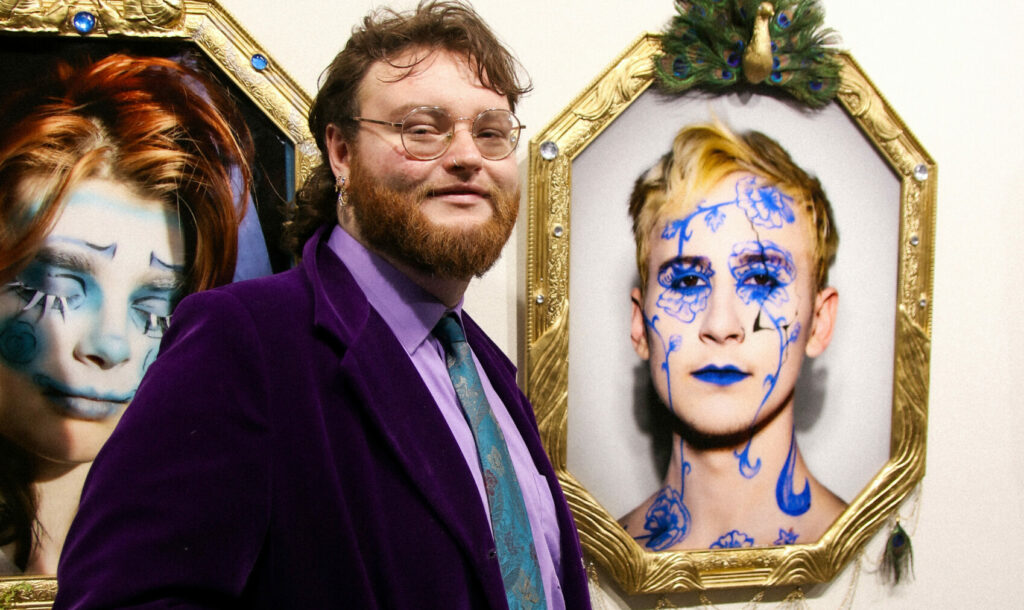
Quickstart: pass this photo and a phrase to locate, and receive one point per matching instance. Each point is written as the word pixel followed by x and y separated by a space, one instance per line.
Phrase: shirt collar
pixel 410 311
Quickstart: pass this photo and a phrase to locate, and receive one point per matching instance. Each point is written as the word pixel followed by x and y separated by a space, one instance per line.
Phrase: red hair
pixel 150 123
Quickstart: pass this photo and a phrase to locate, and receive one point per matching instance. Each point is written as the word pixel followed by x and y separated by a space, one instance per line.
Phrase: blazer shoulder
pixel 275 298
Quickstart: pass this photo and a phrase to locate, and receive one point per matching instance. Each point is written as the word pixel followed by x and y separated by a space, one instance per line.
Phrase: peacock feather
pixel 898 558
pixel 717 44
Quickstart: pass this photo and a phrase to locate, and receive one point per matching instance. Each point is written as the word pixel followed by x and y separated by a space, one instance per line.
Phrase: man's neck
pixel 446 290
pixel 714 475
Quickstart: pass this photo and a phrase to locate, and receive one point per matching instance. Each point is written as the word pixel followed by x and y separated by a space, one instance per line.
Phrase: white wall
pixel 952 71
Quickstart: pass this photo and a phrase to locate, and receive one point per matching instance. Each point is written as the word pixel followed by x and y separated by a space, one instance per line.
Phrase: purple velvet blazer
pixel 282 452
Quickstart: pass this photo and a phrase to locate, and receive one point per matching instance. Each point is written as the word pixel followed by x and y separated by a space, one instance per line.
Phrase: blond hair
pixel 701 156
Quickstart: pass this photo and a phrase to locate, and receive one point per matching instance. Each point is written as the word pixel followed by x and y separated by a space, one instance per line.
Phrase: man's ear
pixel 338 151
pixel 638 327
pixel 823 322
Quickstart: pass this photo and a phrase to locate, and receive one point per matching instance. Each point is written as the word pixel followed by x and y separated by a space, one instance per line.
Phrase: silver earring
pixel 339 186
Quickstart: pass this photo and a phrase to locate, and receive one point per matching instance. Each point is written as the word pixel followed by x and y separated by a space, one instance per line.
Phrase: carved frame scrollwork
pixel 547 326
pixel 232 51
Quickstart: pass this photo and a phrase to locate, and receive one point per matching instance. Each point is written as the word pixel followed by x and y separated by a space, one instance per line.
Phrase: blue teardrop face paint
pixel 731 283
pixel 82 322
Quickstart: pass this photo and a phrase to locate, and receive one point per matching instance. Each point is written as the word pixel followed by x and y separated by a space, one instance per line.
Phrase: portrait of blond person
pixel 343 434
pixel 733 246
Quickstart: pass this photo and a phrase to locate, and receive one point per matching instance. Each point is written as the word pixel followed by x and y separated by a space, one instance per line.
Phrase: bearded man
pixel 342 434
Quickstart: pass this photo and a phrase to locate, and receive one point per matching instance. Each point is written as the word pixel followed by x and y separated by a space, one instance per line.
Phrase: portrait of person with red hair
pixel 122 185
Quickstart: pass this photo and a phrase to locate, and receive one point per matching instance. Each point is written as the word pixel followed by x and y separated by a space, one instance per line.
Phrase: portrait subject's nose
pixel 721 320
pixel 104 343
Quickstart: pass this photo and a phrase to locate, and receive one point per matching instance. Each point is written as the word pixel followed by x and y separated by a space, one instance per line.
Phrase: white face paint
pixel 82 323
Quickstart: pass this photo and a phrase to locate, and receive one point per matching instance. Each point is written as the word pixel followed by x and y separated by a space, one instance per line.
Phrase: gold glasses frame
pixel 450 135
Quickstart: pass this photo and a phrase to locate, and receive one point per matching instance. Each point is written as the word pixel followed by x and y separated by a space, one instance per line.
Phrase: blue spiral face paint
pixel 80 324
pixel 731 283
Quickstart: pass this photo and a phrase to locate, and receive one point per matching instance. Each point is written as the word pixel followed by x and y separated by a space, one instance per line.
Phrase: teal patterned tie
pixel 512 535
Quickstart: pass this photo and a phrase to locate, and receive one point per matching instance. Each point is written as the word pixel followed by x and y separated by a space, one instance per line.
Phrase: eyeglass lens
pixel 427 132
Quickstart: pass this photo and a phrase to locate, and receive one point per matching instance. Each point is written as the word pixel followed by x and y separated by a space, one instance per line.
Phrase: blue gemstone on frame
pixel 815 85
pixel 734 59
pixel 782 20
pixel 726 75
pixel 83 22
pixel 258 61
pixel 776 76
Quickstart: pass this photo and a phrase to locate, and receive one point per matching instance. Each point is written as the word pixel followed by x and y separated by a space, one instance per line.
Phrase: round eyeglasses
pixel 427 132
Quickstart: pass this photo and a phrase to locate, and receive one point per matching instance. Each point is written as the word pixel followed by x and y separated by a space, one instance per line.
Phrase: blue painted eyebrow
pixel 156 263
pixel 107 251
pixel 766 257
pixel 753 252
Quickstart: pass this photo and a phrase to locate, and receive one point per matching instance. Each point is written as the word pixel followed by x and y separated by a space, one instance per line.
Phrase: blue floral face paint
pixel 80 324
pixel 687 284
pixel 763 272
pixel 786 537
pixel 732 283
pixel 667 522
pixel 734 539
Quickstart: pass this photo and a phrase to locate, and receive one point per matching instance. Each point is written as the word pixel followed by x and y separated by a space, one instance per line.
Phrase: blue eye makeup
pixel 687 283
pixel 51 288
pixel 762 271
pixel 151 313
pixel 686 275
pixel 54 289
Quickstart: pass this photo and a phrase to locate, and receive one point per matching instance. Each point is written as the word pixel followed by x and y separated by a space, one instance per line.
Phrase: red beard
pixel 390 221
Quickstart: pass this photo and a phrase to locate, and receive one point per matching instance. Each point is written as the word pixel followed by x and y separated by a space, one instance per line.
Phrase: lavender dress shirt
pixel 412 313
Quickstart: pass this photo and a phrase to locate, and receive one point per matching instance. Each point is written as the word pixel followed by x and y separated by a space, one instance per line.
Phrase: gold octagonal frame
pixel 227 46
pixel 547 361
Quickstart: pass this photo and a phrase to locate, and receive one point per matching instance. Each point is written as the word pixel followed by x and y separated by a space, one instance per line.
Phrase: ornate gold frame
pixel 227 45
pixel 547 330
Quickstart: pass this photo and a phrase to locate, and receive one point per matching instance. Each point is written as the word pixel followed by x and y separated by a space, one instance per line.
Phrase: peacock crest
pixel 717 44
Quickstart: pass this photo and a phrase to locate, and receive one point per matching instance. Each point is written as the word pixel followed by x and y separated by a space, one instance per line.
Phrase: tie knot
pixel 448 331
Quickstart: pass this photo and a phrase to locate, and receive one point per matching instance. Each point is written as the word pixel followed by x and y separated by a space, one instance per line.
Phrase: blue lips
pixel 53 387
pixel 720 375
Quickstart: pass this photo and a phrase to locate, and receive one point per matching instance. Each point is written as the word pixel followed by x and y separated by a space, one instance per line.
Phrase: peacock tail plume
pixel 717 44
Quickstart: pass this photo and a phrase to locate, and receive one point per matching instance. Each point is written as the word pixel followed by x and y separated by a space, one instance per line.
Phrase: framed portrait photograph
pixel 148 150
pixel 752 409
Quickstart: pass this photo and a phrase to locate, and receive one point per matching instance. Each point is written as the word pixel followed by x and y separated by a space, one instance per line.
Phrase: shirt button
pixel 492 554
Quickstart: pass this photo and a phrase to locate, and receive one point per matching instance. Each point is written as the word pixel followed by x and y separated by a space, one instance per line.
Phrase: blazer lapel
pixel 395 398
pixel 387 386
